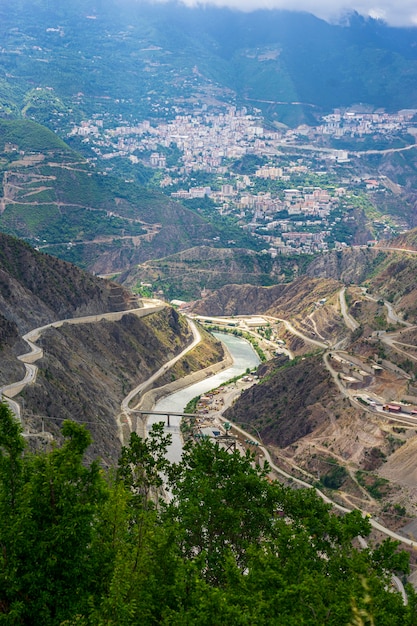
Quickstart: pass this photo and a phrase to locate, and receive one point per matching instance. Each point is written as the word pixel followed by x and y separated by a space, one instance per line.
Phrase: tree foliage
pixel 80 546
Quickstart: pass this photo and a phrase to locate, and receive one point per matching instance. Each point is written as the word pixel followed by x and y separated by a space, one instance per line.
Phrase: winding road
pixel 125 414
pixel 150 307
pixel 298 333
pixel 350 322
pixel 29 358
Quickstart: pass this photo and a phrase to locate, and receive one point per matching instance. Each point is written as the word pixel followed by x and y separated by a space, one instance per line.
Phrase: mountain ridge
pixel 279 56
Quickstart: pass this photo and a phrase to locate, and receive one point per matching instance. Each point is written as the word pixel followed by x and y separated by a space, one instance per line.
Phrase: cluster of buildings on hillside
pixel 206 139
pixel 293 219
pixel 285 236
pixel 271 217
pixel 203 139
pixel 354 123
pixel 296 242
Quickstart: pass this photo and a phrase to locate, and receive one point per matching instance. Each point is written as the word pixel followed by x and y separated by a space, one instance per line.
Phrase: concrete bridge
pixel 165 414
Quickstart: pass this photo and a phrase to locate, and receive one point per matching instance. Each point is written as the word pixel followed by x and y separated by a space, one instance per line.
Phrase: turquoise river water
pixel 244 356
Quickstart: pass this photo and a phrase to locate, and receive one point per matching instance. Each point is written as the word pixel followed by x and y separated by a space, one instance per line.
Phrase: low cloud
pixel 398 13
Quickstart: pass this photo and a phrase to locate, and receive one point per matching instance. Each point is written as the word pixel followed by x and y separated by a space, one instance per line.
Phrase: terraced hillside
pixel 52 198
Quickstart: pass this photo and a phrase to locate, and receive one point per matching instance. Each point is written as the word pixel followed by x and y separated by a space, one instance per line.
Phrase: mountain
pixel 140 57
pixel 87 368
pixel 387 271
pixel 53 198
pixel 36 288
pixel 103 74
pixel 186 274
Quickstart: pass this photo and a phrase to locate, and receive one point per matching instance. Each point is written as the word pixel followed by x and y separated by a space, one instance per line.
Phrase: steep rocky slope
pixel 187 273
pixel 238 300
pixel 88 369
pixel 8 332
pixel 349 265
pixel 314 433
pixel 10 368
pixel 36 288
pixel 396 282
pixel 289 403
pixel 280 299
pixel 385 271
pixel 311 304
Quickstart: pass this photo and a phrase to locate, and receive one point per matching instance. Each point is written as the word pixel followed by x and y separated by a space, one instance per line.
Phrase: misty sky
pixel 394 12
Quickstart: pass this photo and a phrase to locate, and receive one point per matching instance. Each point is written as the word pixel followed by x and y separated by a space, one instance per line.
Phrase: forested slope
pixel 81 546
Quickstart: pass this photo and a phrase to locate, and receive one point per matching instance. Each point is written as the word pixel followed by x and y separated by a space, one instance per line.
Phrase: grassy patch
pixel 378 487
pixel 335 477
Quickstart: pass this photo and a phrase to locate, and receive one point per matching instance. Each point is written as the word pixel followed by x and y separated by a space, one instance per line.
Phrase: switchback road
pixel 350 322
pixel 36 353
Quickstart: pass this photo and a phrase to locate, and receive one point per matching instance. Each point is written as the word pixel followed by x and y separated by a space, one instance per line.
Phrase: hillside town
pixel 207 139
pixel 301 197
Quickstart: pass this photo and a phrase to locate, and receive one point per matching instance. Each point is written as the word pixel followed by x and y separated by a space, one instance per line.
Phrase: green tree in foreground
pixel 79 546
pixel 49 510
pixel 271 555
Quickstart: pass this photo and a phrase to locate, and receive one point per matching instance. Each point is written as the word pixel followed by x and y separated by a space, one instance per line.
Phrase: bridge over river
pixel 244 357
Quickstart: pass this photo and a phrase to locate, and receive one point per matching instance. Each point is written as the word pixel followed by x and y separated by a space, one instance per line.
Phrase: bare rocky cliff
pixel 349 265
pixel 36 289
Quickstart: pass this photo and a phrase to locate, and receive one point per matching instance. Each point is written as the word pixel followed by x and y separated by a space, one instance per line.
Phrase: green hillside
pixel 29 136
pixel 118 56
pixel 51 197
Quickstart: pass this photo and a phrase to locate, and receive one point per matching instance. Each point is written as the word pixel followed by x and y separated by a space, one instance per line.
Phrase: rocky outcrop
pixel 36 288
pixel 288 403
pixel 351 265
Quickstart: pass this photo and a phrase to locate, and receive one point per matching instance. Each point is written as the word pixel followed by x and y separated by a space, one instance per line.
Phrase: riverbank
pixel 151 397
pixel 244 357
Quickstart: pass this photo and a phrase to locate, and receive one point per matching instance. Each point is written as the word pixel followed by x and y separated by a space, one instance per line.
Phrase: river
pixel 244 356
